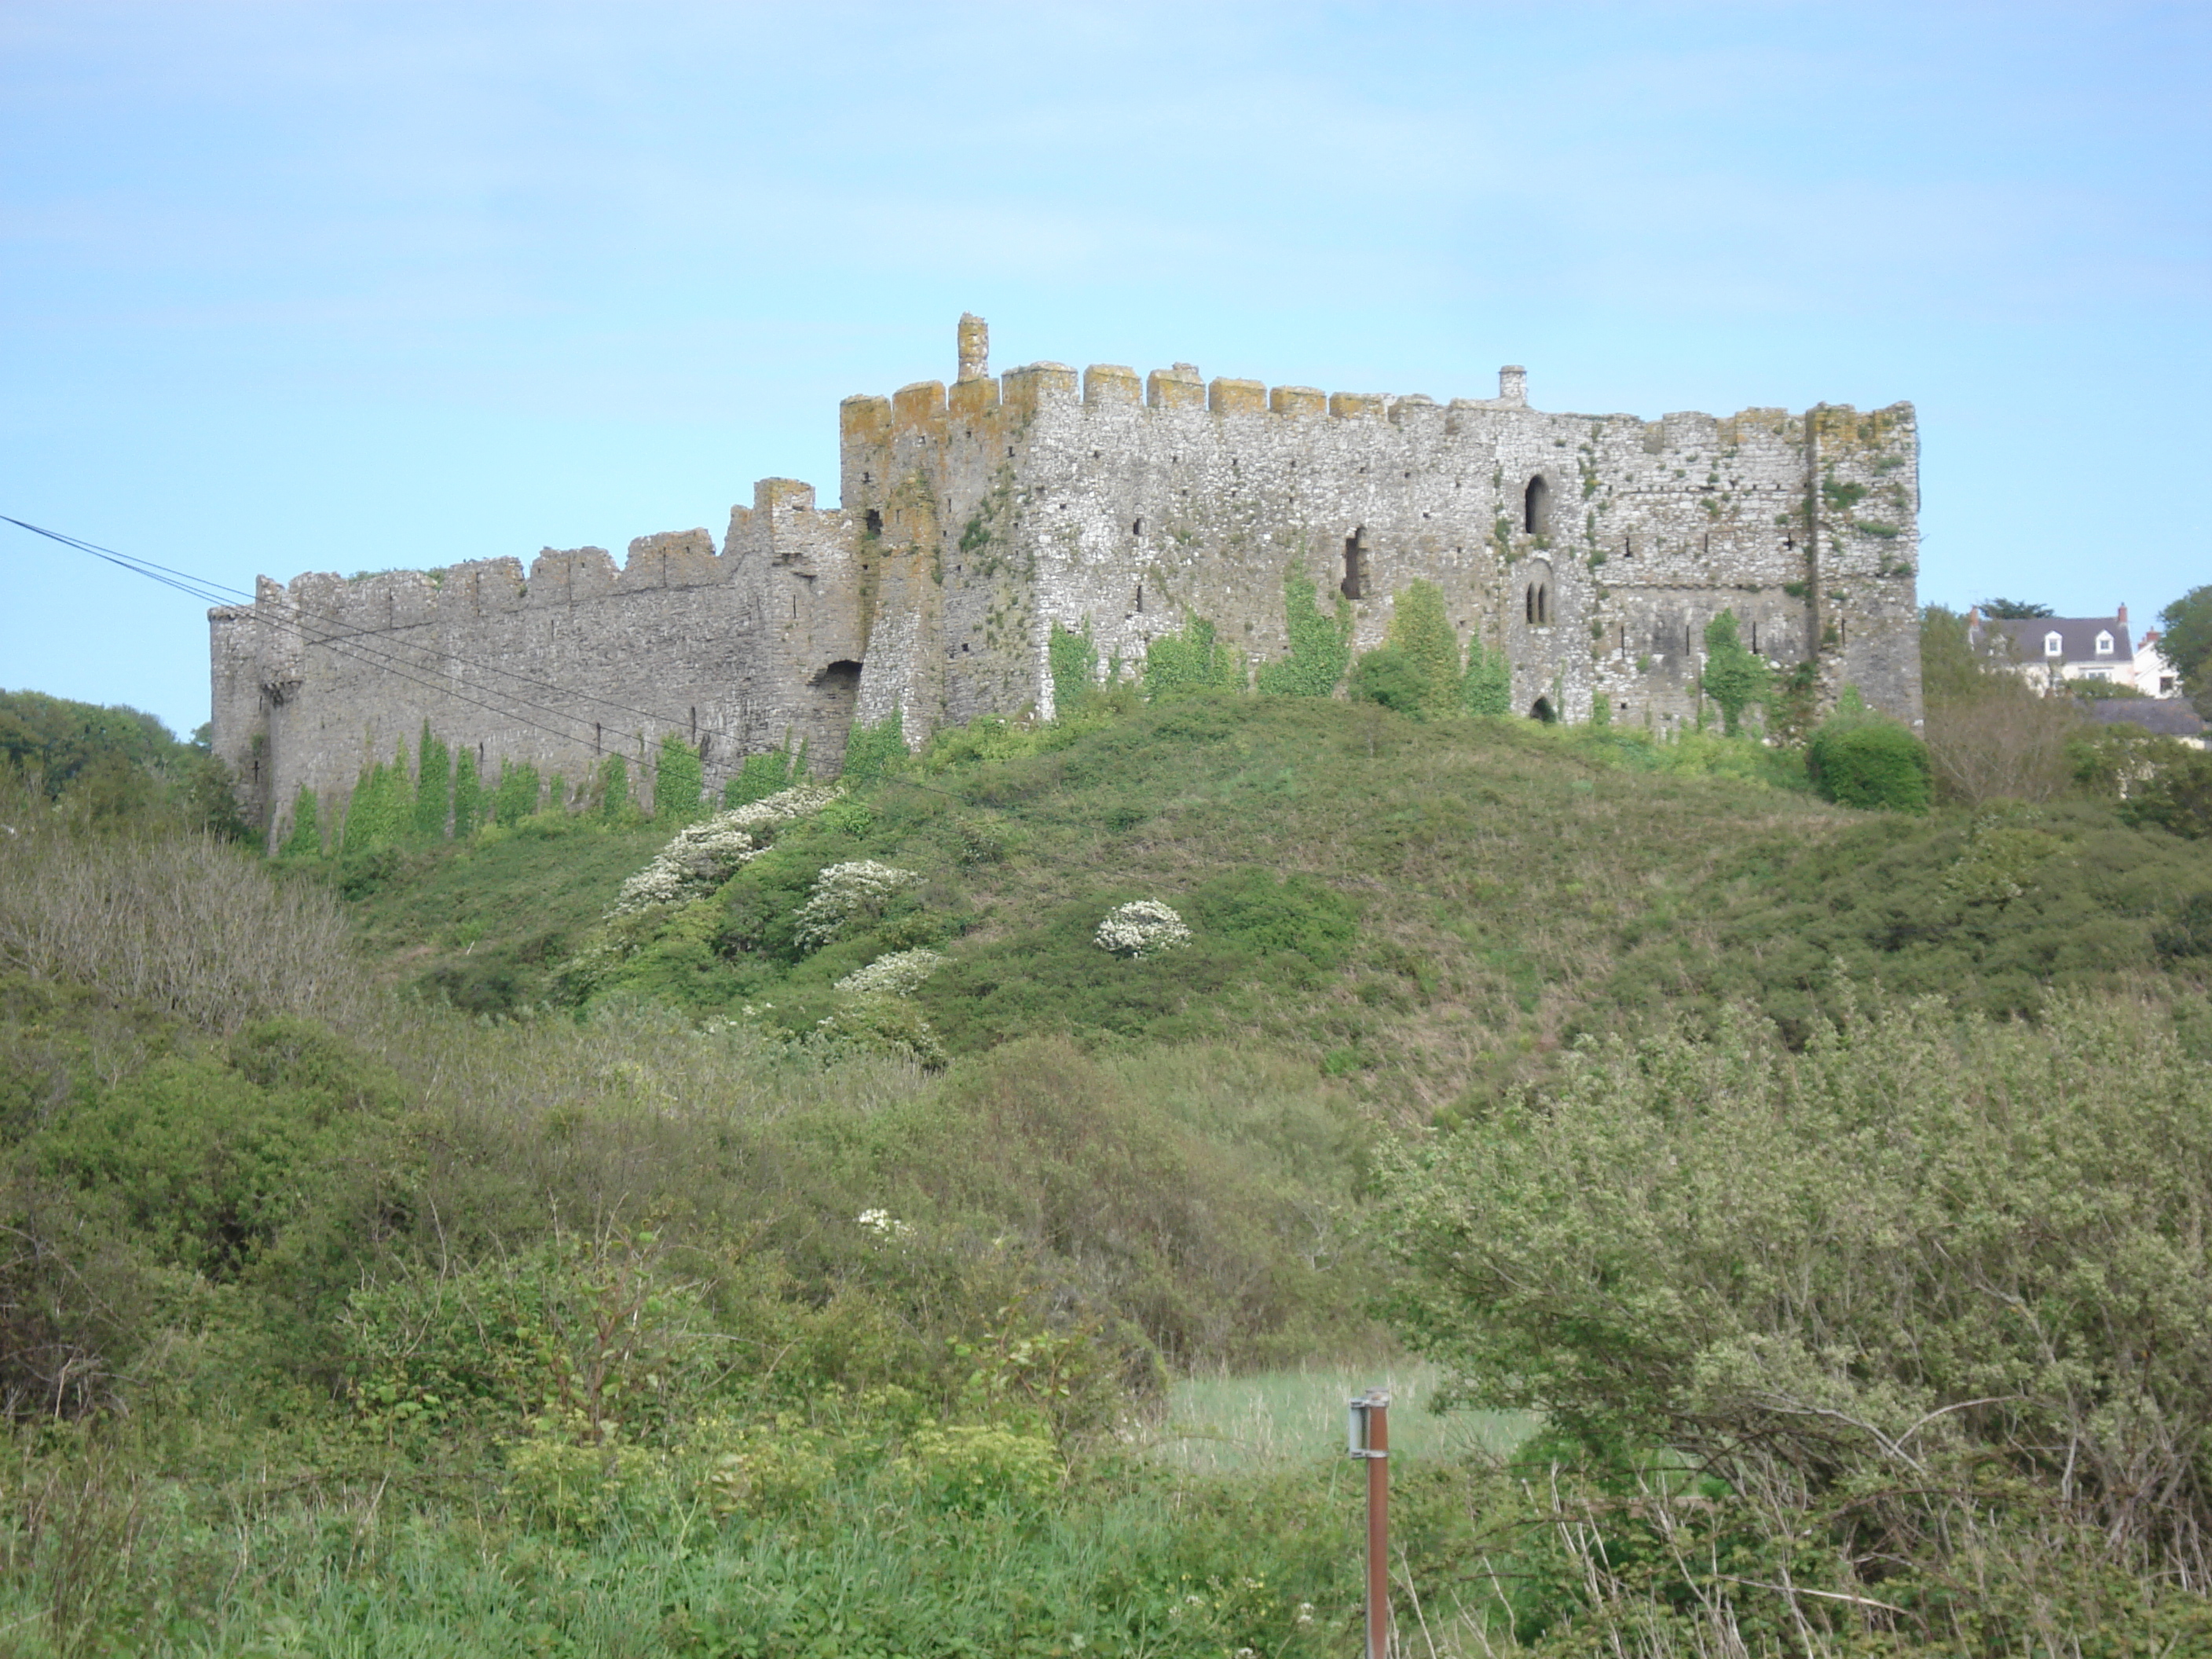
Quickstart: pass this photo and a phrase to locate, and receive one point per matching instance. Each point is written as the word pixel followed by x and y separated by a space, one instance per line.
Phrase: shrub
pixel 2177 797
pixel 1930 1292
pixel 677 781
pixel 433 786
pixel 859 889
pixel 1388 675
pixel 1321 645
pixel 899 974
pixel 1420 631
pixel 1191 660
pixel 1141 928
pixel 1487 690
pixel 1074 661
pixel 877 1023
pixel 518 793
pixel 468 796
pixel 1859 758
pixel 305 840
pixel 761 775
pixel 874 751
pixel 703 856
pixel 613 789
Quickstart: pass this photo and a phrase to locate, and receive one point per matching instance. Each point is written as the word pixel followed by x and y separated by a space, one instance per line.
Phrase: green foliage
pixel 1320 645
pixel 1487 690
pixel 613 789
pixel 116 767
pixel 1420 632
pixel 434 788
pixel 758 777
pixel 305 839
pixel 382 811
pixel 1993 913
pixel 2176 796
pixel 1275 917
pixel 2186 643
pixel 875 752
pixel 518 793
pixel 891 1025
pixel 1857 757
pixel 1072 659
pixel 468 796
pixel 1865 1286
pixel 1735 677
pixel 2012 610
pixel 1190 661
pixel 1388 675
pixel 679 781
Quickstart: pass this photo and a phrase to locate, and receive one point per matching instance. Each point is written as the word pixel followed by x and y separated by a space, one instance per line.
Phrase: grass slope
pixel 1431 909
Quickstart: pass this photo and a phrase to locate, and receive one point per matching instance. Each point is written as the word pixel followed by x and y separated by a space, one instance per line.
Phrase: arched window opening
pixel 1543 604
pixel 1528 603
pixel 1137 527
pixel 1535 505
pixel 1541 710
pixel 1355 564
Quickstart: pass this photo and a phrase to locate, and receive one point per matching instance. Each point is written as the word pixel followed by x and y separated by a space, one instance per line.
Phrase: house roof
pixel 2169 717
pixel 2077 635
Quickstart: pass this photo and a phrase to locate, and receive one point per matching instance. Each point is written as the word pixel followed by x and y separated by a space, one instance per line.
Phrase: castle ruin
pixel 1591 549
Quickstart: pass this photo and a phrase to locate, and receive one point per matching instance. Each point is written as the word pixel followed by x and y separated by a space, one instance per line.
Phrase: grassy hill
pixel 1428 910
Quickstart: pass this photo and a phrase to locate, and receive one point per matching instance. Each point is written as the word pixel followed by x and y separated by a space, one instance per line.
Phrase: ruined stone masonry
pixel 1591 549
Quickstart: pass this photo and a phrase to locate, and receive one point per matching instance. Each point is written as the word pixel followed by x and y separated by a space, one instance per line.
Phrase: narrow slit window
pixel 1535 504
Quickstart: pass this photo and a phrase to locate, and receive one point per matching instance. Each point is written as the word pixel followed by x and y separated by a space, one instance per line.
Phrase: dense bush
pixel 1933 1293
pixel 1858 758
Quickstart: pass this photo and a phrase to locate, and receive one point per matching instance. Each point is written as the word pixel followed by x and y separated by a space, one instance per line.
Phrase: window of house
pixel 2054 645
pixel 2104 645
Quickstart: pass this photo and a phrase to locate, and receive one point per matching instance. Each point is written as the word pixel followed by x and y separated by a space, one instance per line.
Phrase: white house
pixel 2049 651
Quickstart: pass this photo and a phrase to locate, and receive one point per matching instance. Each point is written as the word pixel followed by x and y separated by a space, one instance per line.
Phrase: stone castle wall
pixel 1593 549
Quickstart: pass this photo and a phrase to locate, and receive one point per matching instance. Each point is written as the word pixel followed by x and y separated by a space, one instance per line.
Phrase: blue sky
pixel 298 286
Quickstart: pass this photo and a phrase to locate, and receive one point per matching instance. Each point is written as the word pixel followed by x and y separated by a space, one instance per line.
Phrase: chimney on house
pixel 2122 618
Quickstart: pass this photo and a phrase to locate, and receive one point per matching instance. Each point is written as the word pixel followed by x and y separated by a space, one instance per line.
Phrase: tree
pixel 2012 610
pixel 1989 736
pixel 1735 677
pixel 1389 677
pixel 2186 643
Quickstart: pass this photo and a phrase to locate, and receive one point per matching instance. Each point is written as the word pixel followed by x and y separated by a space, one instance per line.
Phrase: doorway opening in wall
pixel 1535 505
pixel 1541 710
pixel 1355 564
pixel 875 522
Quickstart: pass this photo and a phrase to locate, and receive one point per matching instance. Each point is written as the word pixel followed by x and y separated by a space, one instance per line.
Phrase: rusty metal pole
pixel 1370 1440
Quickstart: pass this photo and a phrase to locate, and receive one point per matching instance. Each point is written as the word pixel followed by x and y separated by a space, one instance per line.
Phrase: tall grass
pixel 1222 1424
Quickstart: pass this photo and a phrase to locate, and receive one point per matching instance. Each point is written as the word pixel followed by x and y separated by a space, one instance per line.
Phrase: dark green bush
pixel 1858 758
pixel 1388 675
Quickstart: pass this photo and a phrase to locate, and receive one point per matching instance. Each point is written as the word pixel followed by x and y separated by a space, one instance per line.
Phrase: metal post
pixel 1370 1439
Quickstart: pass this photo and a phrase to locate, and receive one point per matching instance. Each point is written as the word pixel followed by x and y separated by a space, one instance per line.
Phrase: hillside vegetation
pixel 520 1242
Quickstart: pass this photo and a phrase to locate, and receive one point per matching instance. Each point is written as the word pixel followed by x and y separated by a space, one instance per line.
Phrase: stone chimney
pixel 1513 386
pixel 2123 618
pixel 974 347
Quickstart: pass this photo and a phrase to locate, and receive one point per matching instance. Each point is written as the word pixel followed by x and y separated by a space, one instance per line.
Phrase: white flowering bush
pixel 898 974
pixel 843 892
pixel 1141 928
pixel 706 854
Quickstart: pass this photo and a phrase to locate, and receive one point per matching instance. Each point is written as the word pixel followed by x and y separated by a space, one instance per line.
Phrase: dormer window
pixel 2104 645
pixel 2054 645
